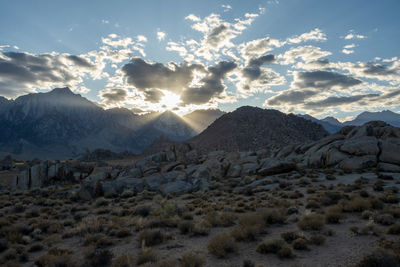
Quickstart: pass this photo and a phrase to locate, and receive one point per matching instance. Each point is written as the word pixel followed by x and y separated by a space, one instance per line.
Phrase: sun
pixel 170 100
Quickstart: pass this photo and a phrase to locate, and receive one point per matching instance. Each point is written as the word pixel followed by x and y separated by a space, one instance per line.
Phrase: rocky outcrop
pixel 374 144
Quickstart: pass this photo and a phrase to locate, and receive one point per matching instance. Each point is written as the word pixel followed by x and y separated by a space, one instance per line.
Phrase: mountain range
pixel 61 124
pixel 332 125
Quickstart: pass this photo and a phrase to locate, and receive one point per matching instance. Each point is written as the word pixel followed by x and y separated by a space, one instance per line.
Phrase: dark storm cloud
pixel 212 84
pixel 113 95
pixel 145 75
pixel 252 70
pixel 323 80
pixel 339 100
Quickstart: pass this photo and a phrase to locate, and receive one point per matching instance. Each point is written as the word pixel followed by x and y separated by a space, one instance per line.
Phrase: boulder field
pixel 181 169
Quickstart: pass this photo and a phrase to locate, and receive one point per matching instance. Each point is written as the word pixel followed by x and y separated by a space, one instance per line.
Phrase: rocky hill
pixel 374 144
pixel 250 128
pixel 202 118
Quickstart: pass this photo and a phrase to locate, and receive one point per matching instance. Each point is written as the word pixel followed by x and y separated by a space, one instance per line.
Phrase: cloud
pixel 161 35
pixel 307 84
pixel 306 53
pixel 338 101
pixel 141 38
pixel 191 84
pixel 252 70
pixel 324 80
pixel 212 84
pixel 258 47
pixel 113 96
pixel 226 7
pixel 314 35
pixel 348 49
pixel 22 72
pixel 389 71
pixel 217 34
pixel 290 97
pixel 352 35
pixel 145 76
pixel 104 21
pixel 192 17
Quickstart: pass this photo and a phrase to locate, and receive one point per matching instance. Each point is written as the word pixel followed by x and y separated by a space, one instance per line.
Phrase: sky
pixel 324 58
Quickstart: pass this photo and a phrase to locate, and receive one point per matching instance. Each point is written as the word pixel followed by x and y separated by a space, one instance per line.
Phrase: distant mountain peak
pixel 62 91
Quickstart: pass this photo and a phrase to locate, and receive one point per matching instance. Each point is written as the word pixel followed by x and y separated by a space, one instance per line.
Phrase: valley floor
pixel 312 218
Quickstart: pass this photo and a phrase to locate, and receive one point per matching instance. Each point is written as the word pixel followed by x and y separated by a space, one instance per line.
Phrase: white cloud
pixel 192 17
pixel 352 35
pixel 104 21
pixel 226 7
pixel 306 53
pixel 141 38
pixel 161 35
pixel 314 35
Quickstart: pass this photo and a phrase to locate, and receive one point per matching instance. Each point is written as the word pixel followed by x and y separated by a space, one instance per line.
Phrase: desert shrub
pixel 357 204
pixel 225 219
pixel 3 245
pixel 250 226
pixel 311 222
pixel 35 247
pixel 201 228
pixel 317 239
pixel 394 229
pixel 285 253
pixel 313 204
pixel 270 246
pixel 101 201
pixel 300 244
pixel 143 210
pixel 151 238
pixel 221 245
pixel 123 260
pixel 190 259
pixel 97 257
pixel 248 263
pixel 127 194
pixel 146 255
pixel 56 257
pixel 121 233
pixel 379 257
pixel 185 227
pixel 330 177
pixel 376 204
pixel 384 219
pixel 333 214
pixel 273 216
pixel 246 232
pixel 11 234
pixel 19 208
pixel 366 214
pixel 290 236
pixel 98 241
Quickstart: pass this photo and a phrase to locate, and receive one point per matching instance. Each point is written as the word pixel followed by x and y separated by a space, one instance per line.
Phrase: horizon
pixel 184 56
